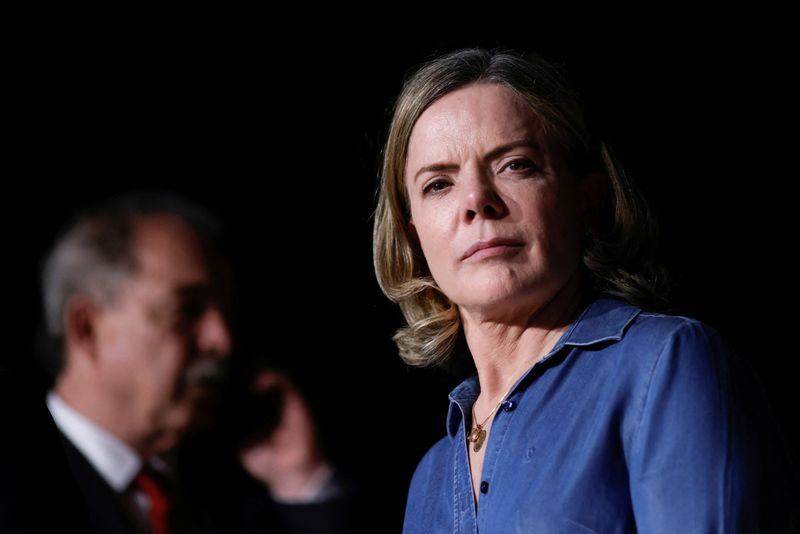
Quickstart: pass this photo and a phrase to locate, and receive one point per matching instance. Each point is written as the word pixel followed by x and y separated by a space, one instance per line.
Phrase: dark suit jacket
pixel 47 485
pixel 37 491
pixel 106 509
pixel 214 496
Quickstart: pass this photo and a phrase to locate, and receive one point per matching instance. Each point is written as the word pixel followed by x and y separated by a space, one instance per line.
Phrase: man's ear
pixel 594 189
pixel 80 324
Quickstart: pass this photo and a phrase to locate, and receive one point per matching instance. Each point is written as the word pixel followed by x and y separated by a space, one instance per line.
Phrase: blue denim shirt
pixel 634 422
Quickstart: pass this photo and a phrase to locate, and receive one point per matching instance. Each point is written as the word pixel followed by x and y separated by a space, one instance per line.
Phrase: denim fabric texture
pixel 634 422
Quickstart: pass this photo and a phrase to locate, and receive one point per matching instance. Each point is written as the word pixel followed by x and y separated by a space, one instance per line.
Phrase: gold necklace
pixel 478 435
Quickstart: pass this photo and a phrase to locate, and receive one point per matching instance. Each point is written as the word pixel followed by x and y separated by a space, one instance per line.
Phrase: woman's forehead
pixel 479 116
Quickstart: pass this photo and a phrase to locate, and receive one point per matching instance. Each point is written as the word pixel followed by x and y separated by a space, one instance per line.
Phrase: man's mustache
pixel 209 370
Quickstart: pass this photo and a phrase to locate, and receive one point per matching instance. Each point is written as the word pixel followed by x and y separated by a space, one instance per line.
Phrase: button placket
pixel 508 406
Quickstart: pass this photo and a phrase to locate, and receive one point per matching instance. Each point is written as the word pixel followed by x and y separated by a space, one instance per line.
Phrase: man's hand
pixel 288 460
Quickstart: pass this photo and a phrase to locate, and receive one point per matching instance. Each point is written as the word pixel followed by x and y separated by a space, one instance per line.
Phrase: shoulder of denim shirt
pixel 609 319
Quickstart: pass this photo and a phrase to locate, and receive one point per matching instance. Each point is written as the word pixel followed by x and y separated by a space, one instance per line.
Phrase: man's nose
pixel 214 336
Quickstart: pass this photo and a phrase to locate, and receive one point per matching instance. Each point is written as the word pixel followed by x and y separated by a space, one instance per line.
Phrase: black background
pixel 281 136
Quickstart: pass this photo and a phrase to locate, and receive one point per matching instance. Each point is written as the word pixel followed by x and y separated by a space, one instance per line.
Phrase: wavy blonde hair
pixel 618 254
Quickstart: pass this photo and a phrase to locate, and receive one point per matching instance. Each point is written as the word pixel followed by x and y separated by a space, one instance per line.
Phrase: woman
pixel 508 235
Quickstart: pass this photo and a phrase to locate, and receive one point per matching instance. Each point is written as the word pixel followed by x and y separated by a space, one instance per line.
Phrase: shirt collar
pixel 113 459
pixel 604 319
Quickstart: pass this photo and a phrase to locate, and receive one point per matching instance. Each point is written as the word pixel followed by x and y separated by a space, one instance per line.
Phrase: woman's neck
pixel 504 349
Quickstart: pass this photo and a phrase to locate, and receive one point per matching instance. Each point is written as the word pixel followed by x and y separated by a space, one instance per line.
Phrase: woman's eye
pixel 518 165
pixel 435 186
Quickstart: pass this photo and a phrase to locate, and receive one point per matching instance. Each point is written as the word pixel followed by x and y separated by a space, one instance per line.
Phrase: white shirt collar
pixel 113 459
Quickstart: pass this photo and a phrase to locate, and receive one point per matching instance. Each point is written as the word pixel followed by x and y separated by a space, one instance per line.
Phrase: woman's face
pixel 497 214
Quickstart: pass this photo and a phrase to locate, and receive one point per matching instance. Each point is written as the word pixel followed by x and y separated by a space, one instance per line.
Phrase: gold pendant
pixel 477 437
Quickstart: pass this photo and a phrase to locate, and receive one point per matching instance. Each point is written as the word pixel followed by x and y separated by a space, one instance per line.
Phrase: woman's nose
pixel 481 199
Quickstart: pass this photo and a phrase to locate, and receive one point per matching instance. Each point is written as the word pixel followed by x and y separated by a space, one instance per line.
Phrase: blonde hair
pixel 619 253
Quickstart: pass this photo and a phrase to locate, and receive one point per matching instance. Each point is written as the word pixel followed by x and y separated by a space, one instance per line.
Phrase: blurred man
pixel 135 298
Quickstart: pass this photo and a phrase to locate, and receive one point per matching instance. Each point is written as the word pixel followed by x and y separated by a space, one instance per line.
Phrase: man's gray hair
pixel 94 254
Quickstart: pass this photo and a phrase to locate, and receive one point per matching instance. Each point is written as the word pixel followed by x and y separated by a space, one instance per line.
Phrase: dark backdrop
pixel 281 137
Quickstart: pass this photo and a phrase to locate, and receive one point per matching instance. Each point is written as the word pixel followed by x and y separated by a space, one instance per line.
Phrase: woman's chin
pixel 510 301
pixel 498 306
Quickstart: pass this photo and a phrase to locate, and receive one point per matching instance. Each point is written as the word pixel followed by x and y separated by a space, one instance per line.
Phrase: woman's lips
pixel 492 247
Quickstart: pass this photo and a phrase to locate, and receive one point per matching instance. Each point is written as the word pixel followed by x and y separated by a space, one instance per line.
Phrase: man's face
pixel 163 331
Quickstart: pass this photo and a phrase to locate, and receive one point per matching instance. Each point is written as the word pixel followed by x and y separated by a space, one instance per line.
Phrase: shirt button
pixel 484 487
pixel 508 405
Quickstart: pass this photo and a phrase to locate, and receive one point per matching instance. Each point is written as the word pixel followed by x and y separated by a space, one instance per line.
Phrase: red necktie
pixel 155 487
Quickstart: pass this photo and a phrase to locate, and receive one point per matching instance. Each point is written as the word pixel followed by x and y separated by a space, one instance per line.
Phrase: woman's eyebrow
pixel 502 149
pixel 492 154
pixel 436 167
